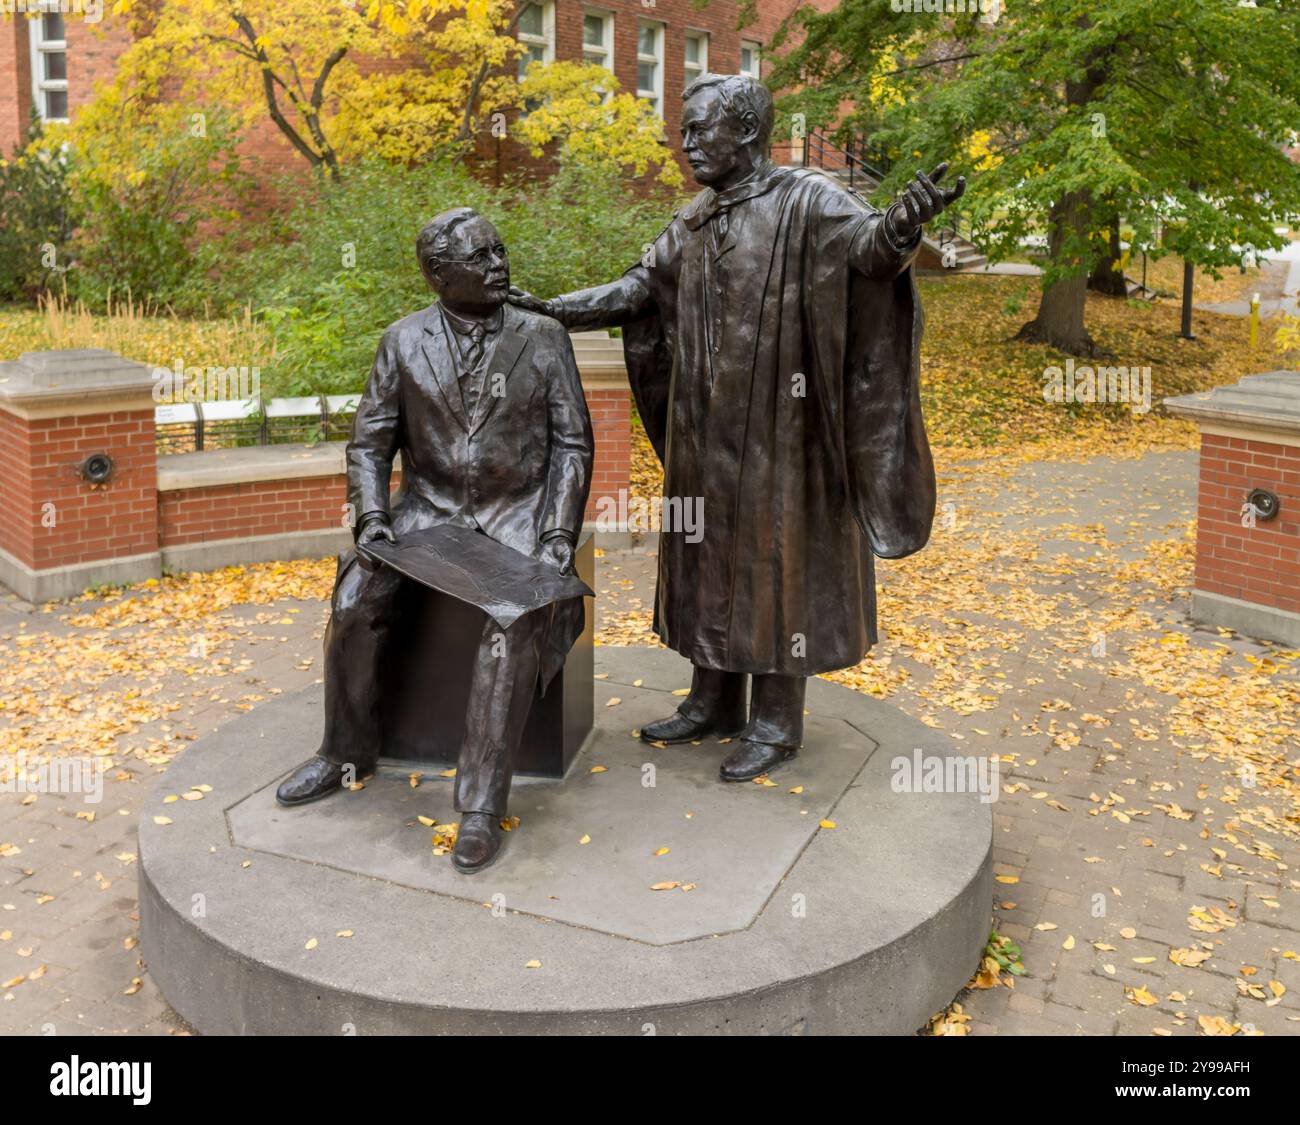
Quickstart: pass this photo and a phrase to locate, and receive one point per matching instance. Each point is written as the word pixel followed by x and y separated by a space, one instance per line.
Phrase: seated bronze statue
pixel 484 404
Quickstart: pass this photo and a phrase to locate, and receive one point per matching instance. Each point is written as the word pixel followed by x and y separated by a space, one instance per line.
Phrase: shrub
pixel 335 270
pixel 153 189
pixel 36 205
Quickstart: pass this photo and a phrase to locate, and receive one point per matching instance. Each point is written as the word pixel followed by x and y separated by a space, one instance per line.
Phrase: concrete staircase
pixel 1136 291
pixel 961 252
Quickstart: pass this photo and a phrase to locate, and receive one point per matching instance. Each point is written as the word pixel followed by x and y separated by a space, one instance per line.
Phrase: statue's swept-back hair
pixel 432 242
pixel 741 96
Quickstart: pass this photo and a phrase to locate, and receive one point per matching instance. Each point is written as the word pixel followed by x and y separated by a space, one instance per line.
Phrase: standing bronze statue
pixel 484 404
pixel 772 336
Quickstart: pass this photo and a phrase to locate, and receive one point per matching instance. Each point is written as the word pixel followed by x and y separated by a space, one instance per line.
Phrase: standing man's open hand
pixel 921 201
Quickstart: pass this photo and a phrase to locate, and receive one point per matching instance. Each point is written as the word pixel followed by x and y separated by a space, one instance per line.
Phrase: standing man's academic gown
pixel 772 337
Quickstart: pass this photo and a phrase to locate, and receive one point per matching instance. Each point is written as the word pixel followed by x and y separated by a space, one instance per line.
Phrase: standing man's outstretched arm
pixel 604 306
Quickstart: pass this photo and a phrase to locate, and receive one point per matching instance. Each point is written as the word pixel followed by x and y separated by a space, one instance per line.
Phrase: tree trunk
pixel 1060 311
pixel 1059 321
pixel 1107 276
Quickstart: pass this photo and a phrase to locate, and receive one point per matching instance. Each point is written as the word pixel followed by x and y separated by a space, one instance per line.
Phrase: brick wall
pixel 15 470
pixel 234 511
pixel 94 48
pixel 265 143
pixel 40 461
pixel 15 83
pixel 678 17
pixel 277 507
pixel 1259 564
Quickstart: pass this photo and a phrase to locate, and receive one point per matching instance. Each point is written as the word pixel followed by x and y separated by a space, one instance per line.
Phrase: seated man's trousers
pixel 365 607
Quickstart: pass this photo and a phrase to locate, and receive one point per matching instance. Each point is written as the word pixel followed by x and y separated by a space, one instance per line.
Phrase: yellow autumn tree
pixel 580 107
pixel 404 80
pixel 462 68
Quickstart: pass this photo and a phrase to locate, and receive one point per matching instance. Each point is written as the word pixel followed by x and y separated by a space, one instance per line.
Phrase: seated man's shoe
pixel 678 728
pixel 477 842
pixel 753 759
pixel 314 779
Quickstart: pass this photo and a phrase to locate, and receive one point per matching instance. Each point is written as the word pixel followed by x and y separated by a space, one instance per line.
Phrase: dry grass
pixel 141 332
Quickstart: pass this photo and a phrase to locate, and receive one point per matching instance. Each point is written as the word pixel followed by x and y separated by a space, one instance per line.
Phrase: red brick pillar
pixel 1248 513
pixel 609 398
pixel 79 473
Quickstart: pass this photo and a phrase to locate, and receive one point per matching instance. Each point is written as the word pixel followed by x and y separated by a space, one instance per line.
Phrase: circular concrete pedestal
pixel 777 924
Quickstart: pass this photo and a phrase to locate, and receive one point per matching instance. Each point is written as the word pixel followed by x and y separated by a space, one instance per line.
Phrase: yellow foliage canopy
pixel 400 79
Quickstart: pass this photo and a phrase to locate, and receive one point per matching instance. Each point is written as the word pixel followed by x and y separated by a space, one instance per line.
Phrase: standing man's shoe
pixel 477 842
pixel 678 728
pixel 753 759
pixel 314 779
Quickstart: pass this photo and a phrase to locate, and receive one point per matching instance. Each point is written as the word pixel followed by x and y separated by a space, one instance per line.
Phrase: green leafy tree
pixel 1066 113
pixel 154 193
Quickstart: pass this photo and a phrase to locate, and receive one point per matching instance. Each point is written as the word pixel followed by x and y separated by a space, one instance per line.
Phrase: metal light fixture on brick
pixel 1265 503
pixel 97 468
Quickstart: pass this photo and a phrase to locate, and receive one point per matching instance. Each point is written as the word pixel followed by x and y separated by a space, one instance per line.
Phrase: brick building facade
pixel 654 47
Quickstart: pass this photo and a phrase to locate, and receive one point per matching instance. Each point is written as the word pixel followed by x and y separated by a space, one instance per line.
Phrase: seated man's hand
pixel 558 551
pixel 372 531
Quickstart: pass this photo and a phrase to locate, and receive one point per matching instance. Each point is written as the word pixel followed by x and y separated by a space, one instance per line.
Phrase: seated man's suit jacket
pixel 518 469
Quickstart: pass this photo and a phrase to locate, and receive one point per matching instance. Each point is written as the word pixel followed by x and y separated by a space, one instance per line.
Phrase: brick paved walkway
pixel 1106 829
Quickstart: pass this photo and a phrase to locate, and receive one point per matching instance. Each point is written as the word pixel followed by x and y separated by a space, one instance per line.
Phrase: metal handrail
pixel 860 159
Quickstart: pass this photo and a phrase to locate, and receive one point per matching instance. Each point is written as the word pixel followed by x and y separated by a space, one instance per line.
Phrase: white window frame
pixel 655 96
pixel 546 40
pixel 756 48
pixel 692 71
pixel 606 49
pixel 40 46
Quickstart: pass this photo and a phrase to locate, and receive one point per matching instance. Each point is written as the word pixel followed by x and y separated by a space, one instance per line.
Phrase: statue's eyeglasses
pixel 480 258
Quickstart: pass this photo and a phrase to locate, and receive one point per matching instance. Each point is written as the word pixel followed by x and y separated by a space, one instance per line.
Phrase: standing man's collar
pixel 709 202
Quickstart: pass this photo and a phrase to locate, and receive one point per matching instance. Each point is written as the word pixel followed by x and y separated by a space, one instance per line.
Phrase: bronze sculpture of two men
pixel 772 336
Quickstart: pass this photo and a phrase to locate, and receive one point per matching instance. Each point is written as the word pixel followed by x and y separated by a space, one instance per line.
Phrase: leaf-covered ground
pixel 980 388
pixel 1142 759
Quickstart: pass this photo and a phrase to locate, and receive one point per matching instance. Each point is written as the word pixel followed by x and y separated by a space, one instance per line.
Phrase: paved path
pixel 1112 801
pixel 1278 284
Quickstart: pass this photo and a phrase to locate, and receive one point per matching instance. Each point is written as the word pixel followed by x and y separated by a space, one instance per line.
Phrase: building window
pixel 598 38
pixel 749 61
pixel 536 34
pixel 650 64
pixel 49 65
pixel 697 55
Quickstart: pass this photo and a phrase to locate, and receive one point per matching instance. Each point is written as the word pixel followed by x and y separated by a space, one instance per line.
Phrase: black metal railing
pixel 862 164
pixel 191 427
